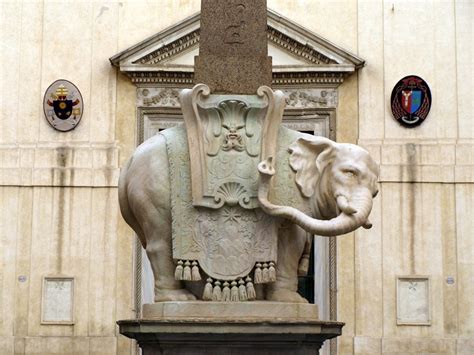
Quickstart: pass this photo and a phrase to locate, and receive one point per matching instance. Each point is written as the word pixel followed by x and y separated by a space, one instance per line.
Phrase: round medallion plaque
pixel 63 105
pixel 411 101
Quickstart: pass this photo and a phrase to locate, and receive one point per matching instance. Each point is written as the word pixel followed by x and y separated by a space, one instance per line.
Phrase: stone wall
pixel 58 190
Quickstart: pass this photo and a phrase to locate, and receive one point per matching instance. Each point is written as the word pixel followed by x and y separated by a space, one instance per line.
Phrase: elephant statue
pixel 336 181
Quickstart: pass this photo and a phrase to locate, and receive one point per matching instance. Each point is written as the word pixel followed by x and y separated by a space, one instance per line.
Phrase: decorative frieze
pixel 295 99
pixel 161 77
pixel 311 98
pixel 158 97
pixel 326 79
pixel 186 79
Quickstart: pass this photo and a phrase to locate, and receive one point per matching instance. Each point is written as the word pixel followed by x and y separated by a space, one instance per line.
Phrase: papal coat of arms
pixel 411 101
pixel 63 105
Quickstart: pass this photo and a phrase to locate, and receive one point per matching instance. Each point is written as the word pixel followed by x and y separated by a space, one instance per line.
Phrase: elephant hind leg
pixel 166 287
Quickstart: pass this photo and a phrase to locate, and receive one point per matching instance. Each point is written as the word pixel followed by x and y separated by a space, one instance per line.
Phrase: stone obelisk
pixel 233 51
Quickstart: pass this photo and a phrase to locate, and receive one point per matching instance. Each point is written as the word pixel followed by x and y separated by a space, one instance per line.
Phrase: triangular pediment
pixel 298 53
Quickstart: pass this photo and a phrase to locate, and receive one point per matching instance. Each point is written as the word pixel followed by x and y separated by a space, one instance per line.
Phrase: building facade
pixel 404 286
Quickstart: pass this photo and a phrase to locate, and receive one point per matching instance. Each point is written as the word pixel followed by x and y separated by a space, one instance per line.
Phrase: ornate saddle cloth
pixel 229 241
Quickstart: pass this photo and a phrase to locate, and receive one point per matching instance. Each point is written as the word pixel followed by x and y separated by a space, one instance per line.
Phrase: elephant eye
pixel 349 172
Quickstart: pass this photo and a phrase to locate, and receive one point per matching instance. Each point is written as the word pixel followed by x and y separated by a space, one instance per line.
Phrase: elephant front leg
pixel 291 245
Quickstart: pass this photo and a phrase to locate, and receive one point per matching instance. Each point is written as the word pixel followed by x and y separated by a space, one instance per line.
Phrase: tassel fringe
pixel 217 293
pixel 178 273
pixel 271 272
pixel 226 292
pixel 240 290
pixel 251 295
pixel 207 295
pixel 265 276
pixel 234 292
pixel 258 273
pixel 187 271
pixel 195 274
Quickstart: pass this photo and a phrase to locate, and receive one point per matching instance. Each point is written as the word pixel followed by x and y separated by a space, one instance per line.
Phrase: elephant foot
pixel 174 295
pixel 284 295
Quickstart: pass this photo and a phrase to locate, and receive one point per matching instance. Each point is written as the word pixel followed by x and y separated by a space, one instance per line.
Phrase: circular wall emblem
pixel 63 105
pixel 411 101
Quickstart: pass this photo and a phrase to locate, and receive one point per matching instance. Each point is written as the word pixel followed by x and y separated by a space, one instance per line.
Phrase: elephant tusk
pixel 344 206
pixel 367 224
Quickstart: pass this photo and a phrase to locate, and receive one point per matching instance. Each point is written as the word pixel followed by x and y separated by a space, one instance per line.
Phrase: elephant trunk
pixel 341 224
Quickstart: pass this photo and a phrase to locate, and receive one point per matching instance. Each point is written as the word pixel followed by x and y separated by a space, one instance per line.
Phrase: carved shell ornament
pixel 232 193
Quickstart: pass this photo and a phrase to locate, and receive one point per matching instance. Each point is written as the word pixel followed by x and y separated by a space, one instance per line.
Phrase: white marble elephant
pixel 338 181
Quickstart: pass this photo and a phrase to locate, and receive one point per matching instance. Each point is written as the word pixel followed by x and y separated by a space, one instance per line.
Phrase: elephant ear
pixel 309 156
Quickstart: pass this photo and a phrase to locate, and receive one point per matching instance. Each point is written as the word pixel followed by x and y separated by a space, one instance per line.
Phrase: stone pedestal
pixel 194 328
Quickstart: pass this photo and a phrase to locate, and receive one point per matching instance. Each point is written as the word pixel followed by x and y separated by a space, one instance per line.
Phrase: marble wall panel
pixel 57 345
pixel 124 345
pixel 367 345
pixel 10 24
pixel 403 56
pixel 444 86
pixel 418 346
pixel 8 241
pixel 23 257
pixel 463 15
pixel 6 344
pixel 345 296
pixel 103 76
pixel 371 77
pixel 347 121
pixel 446 218
pixel 67 54
pixel 465 258
pixel 42 259
pixel 400 222
pixel 30 95
pixel 79 253
pixel 124 288
pixel 340 29
pixel 103 263
pixel 465 346
pixel 125 120
pixel 102 345
pixel 138 19
pixel 368 275
pixel 418 239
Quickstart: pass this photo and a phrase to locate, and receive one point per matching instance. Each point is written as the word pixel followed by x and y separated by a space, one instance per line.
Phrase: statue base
pixel 218 328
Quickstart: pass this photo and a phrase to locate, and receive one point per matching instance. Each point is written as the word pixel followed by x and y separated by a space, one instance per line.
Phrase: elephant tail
pixel 125 209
